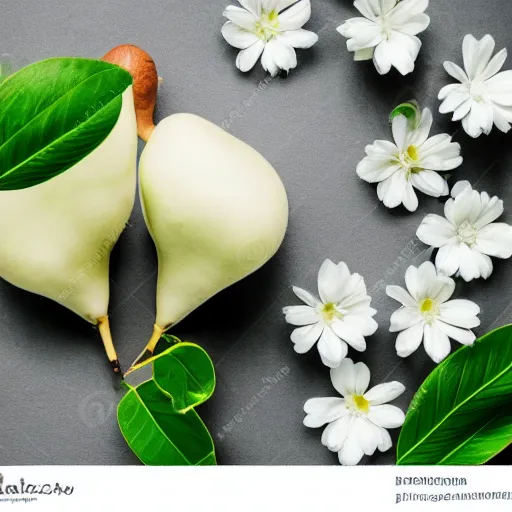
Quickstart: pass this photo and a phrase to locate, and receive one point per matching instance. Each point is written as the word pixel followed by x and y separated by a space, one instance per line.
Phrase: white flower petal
pixel 415 25
pixel 462 110
pixel 368 435
pixel 418 136
pixel 364 54
pixel 403 50
pixel 296 16
pixel 404 318
pixel 374 172
pixel 459 187
pixel 335 434
pixel 332 350
pixel 470 54
pixel 460 312
pixel 410 199
pixel 483 262
pixel 489 213
pixel 429 182
pixel 300 315
pixel 362 378
pixel 411 281
pixel 386 416
pixel 399 127
pixel 499 88
pixel 351 452
pixel 323 410
pixel 241 17
pixel 426 276
pixel 468 267
pixel 299 38
pixel 253 6
pixel 237 36
pixel 306 297
pixel 343 378
pixel 442 289
pixel 453 101
pixel 330 283
pixel 385 442
pixel 246 59
pixel 278 55
pixel 436 342
pixel 409 340
pixel 383 393
pixel 435 230
pixel 391 191
pixel 464 336
pixel 405 10
pixel 450 88
pixel 495 65
pixel 401 295
pixel 495 240
pixel 485 50
pixel 456 72
pixel 305 337
pixel 448 259
pixel 349 334
pixel 363 323
pixel 382 57
pixel 366 9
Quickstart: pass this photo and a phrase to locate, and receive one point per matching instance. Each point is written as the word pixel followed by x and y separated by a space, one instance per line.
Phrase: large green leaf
pixel 53 114
pixel 159 435
pixel 462 413
pixel 186 374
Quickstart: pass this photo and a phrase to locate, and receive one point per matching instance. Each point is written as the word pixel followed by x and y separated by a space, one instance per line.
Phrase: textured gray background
pixel 57 394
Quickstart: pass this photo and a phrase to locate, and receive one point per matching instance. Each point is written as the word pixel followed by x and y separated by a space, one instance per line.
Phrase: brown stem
pixel 106 336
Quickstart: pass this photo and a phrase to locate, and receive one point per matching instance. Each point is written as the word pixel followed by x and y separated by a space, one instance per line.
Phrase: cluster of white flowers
pixel 465 239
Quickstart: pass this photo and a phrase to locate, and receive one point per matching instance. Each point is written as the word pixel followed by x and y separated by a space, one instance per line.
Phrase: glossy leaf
pixel 53 114
pixel 186 374
pixel 159 435
pixel 462 412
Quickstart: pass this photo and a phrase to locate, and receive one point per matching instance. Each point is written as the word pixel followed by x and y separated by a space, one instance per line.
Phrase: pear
pixel 215 208
pixel 56 237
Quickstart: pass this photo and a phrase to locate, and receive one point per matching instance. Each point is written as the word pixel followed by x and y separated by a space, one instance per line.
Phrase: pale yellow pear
pixel 56 237
pixel 215 208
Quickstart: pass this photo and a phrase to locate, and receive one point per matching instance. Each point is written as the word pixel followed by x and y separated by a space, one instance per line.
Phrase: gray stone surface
pixel 57 395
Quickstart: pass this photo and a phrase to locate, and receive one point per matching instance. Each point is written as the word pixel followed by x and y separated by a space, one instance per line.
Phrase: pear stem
pixel 148 350
pixel 106 337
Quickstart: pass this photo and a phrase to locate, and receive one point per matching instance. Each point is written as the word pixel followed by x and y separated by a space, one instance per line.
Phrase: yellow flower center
pixel 268 25
pixel 428 308
pixel 427 305
pixel 361 403
pixel 329 312
pixel 357 405
pixel 409 160
pixel 412 153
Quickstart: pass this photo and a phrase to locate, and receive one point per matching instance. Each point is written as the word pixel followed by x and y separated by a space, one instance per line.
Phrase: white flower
pixel 467 236
pixel 428 315
pixel 387 33
pixel 268 27
pixel 342 316
pixel 357 422
pixel 410 163
pixel 484 96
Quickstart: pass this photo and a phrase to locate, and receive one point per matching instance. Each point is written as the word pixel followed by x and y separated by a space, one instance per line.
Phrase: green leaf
pixel 53 114
pixel 411 110
pixel 462 413
pixel 159 435
pixel 5 67
pixel 186 374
